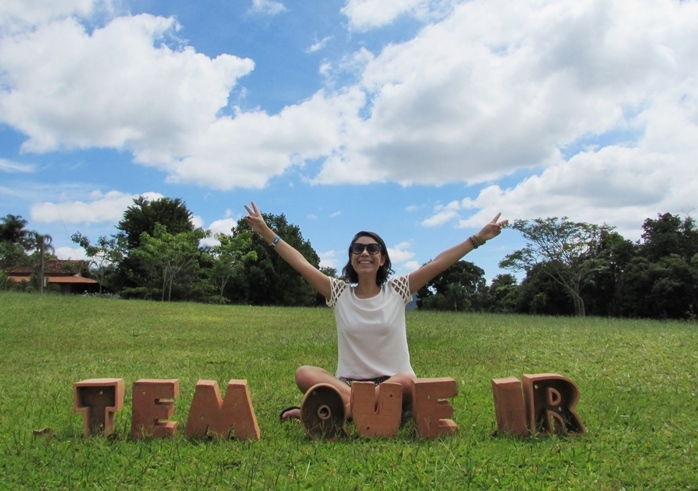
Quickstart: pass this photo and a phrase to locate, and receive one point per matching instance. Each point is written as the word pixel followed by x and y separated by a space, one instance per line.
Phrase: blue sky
pixel 417 119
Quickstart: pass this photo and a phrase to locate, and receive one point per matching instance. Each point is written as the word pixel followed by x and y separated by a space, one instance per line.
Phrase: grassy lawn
pixel 638 382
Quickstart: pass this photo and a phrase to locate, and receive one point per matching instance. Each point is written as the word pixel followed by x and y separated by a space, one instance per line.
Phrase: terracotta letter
pixel 210 413
pixel 153 401
pixel 376 420
pixel 550 402
pixel 430 411
pixel 509 406
pixel 98 399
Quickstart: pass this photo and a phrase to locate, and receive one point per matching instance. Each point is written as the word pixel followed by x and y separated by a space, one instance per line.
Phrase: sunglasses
pixel 372 249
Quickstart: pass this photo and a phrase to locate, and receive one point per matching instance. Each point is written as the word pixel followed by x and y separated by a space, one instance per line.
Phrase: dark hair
pixel 383 272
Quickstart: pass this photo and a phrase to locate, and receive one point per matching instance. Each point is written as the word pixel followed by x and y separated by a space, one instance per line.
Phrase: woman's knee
pixel 406 380
pixel 307 376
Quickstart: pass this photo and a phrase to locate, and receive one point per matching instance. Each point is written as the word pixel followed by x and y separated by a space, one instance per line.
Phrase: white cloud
pixel 442 214
pixel 249 149
pixel 72 253
pixel 223 226
pixel 319 44
pixel 485 92
pixel 267 7
pixel 400 253
pixel 364 15
pixel 117 86
pixel 19 14
pixel 16 167
pixel 329 259
pixel 615 186
pixel 107 207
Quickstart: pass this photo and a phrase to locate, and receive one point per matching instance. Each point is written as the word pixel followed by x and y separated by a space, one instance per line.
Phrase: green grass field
pixel 638 382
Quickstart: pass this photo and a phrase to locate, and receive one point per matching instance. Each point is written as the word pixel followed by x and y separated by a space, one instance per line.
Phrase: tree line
pixel 568 268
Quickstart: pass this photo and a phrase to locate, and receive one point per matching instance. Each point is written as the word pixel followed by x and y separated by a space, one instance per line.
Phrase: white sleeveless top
pixel 371 332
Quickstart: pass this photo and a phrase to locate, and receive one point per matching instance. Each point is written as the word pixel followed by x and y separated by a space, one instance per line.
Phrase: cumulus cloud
pixel 19 14
pixel 109 91
pixel 108 207
pixel 364 15
pixel 332 259
pixel 71 253
pixel 223 226
pixel 492 94
pixel 400 255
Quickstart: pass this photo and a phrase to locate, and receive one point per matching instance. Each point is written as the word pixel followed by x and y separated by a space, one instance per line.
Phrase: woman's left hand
pixel 492 229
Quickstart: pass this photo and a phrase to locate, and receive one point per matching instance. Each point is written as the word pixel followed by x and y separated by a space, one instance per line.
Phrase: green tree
pixel 602 293
pixel 540 294
pixel 270 280
pixel 13 230
pixel 563 251
pixel 503 294
pixel 458 289
pixel 132 276
pixel 12 255
pixel 169 258
pixel 667 235
pixel 229 257
pixel 661 281
pixel 144 215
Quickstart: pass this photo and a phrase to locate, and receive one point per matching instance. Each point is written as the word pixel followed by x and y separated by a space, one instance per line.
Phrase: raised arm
pixel 312 275
pixel 449 257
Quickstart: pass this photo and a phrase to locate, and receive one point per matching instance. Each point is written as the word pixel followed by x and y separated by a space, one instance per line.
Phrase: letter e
pixel 431 413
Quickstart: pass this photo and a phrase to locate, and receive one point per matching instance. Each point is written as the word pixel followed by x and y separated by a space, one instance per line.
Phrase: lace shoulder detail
pixel 401 285
pixel 336 289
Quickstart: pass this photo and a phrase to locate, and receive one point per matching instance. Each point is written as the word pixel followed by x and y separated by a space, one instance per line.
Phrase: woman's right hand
pixel 254 219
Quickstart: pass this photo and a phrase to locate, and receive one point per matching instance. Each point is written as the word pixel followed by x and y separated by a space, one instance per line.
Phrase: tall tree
pixel 15 241
pixel 661 281
pixel 669 234
pixel 132 277
pixel 457 288
pixel 503 294
pixel 13 229
pixel 270 280
pixel 562 249
pixel 540 294
pixel 144 214
pixel 229 257
pixel 11 256
pixel 602 294
pixel 169 258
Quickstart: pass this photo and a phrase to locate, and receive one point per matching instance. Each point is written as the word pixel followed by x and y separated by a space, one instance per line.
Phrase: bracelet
pixel 275 241
pixel 476 241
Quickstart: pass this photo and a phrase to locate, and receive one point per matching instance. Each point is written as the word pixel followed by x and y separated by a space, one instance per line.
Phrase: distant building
pixel 71 277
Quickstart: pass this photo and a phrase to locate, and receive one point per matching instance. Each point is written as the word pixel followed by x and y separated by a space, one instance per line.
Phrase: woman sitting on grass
pixel 369 309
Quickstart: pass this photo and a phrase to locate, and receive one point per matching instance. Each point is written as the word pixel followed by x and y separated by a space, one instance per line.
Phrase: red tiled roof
pixel 18 279
pixel 71 279
pixel 61 280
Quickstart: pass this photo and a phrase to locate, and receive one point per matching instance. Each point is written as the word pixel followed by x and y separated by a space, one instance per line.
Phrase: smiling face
pixel 366 256
pixel 361 260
